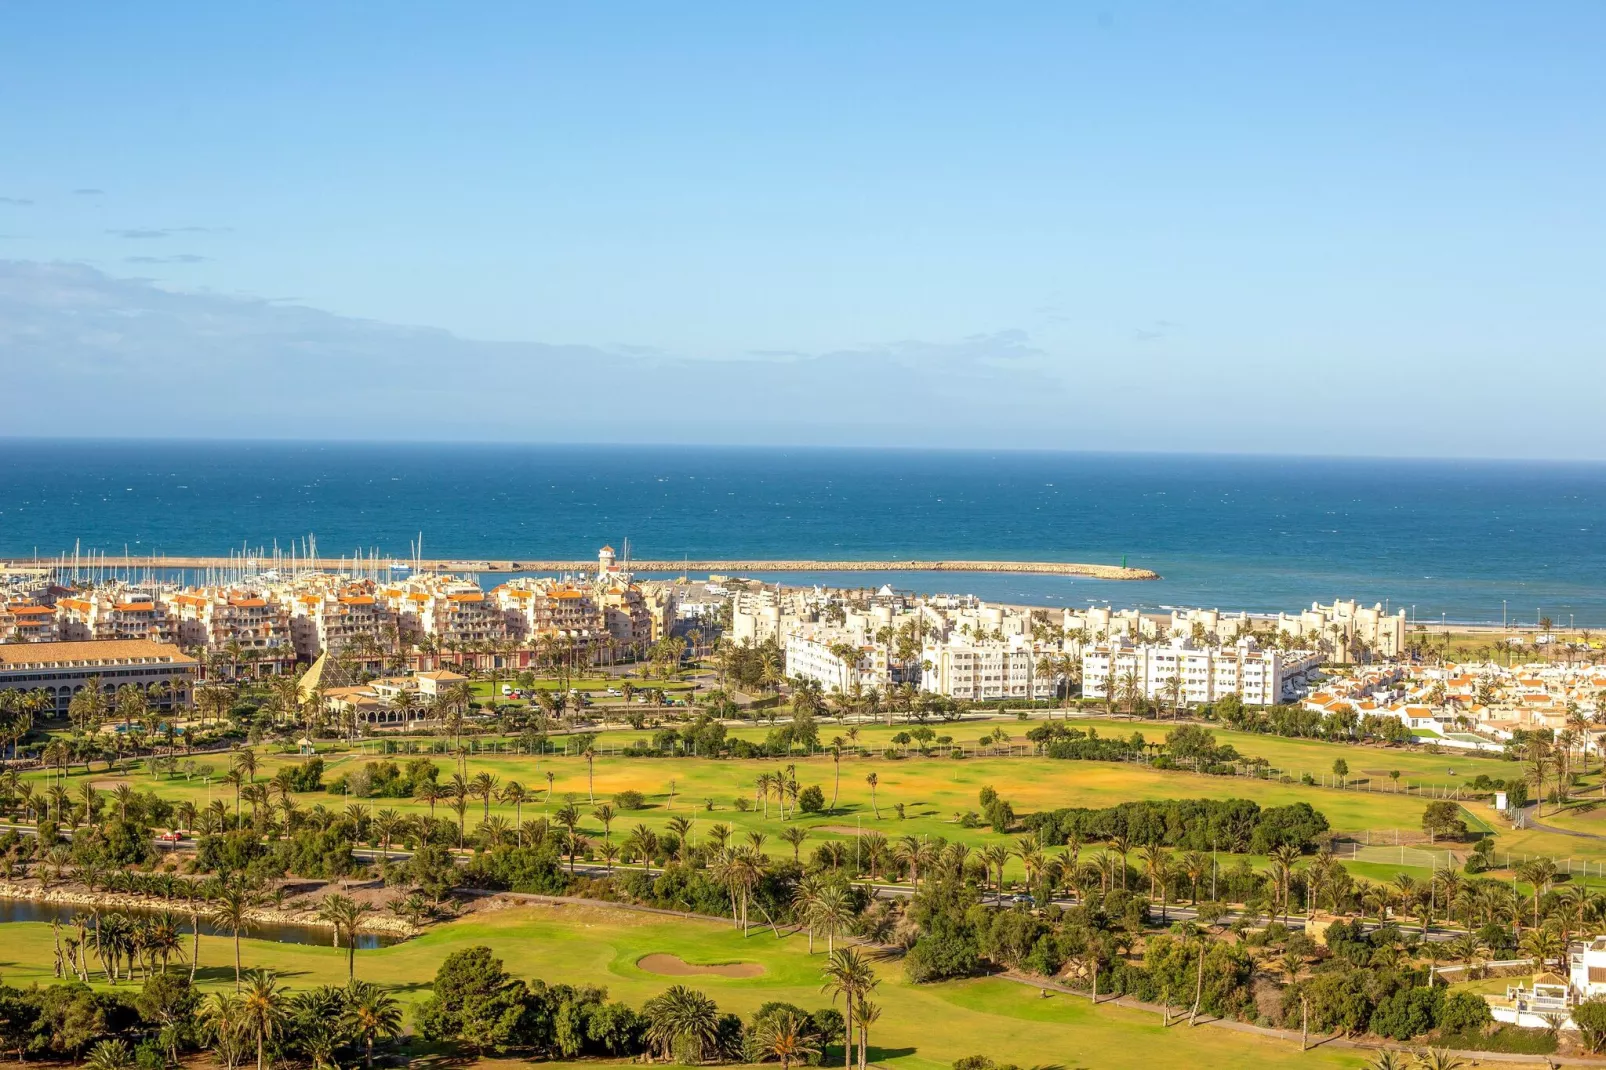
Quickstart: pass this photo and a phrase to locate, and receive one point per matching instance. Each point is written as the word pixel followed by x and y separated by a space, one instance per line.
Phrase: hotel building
pixel 62 669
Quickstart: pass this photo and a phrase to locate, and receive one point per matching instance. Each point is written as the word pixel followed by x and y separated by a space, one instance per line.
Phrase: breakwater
pixel 732 566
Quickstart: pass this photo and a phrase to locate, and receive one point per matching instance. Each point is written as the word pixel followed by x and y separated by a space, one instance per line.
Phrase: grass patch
pixel 923 1027
pixel 1504 1038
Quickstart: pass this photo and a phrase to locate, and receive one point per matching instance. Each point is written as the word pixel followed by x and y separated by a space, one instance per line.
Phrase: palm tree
pixel 605 814
pixel 221 1027
pixel 609 852
pixel 787 1036
pixel 1282 860
pixel 483 787
pixel 680 828
pixel 430 792
pixel 804 895
pixel 794 835
pixel 643 843
pixel 513 792
pixel 872 779
pixel 569 818
pixel 831 912
pixel 868 1013
pixel 1437 1059
pixel 346 916
pixel 1542 945
pixel 262 1010
pixel 681 1022
pixel 232 910
pixel 373 1014
pixel 848 974
pixel 1539 873
pixel 457 791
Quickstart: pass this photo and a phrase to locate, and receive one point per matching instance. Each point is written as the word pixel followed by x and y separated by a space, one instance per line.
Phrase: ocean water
pixel 1444 539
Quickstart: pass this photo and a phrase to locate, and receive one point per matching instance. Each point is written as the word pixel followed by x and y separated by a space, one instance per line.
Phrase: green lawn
pixel 934 791
pixel 922 1028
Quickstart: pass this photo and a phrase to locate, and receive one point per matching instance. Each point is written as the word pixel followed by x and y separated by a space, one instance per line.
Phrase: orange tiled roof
pixel 94 650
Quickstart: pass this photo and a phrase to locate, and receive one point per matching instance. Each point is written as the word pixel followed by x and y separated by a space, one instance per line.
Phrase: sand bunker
pixel 675 966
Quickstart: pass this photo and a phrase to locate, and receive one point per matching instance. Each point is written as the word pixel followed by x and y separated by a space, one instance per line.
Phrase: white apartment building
pixel 1198 674
pixel 989 669
pixel 758 616
pixel 1340 627
pixel 814 652
pixel 1101 622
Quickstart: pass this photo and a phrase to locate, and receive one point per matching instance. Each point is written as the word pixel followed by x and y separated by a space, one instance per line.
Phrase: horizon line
pixel 791 446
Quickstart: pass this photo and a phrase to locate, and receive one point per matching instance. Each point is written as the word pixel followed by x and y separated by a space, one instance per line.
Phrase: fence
pixel 1404 856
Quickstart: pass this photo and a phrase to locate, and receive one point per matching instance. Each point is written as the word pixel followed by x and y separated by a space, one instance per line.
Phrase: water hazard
pixel 279 932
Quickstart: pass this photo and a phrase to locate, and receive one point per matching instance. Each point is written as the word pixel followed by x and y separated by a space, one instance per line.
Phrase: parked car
pixel 171 836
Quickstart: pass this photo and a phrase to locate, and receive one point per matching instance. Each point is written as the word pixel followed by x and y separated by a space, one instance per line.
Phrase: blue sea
pixel 1457 540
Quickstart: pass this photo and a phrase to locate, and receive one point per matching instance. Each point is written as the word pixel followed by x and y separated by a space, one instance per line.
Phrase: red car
pixel 171 837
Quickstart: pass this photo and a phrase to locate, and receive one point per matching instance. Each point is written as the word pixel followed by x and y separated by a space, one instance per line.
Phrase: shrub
pixel 630 799
pixel 1464 1012
pixel 811 800
pixel 1590 1017
pixel 937 958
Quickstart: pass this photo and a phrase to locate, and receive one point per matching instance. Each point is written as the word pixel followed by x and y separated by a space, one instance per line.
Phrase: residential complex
pixel 270 624
pixel 1186 673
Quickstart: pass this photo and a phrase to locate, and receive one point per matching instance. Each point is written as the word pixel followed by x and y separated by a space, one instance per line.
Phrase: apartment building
pixel 990 669
pixel 27 622
pixel 217 618
pixel 833 658
pixel 1180 670
pixel 1345 627
pixel 339 619
pixel 541 606
pixel 114 614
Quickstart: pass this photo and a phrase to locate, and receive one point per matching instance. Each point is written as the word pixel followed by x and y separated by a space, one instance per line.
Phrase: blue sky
pixel 1123 216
